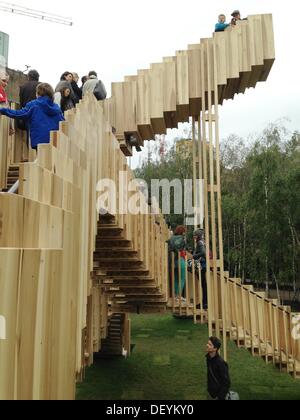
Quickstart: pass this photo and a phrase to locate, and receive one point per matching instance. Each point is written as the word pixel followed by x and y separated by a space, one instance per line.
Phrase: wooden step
pixel 113 249
pixel 128 273
pixel 121 254
pixel 113 242
pixel 128 288
pixel 13 173
pixel 118 265
pixel 109 230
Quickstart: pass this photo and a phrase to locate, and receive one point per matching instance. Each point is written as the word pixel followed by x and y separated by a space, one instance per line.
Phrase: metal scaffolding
pixel 37 14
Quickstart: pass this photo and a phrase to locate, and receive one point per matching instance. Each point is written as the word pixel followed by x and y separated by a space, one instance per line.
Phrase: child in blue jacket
pixel 221 25
pixel 42 115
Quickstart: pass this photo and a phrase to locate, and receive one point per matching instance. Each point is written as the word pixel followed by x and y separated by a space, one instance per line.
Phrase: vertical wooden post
pixel 179 283
pixel 200 294
pixel 194 171
pixel 187 291
pixel 200 167
pixel 206 200
pixel 194 292
pixel 212 182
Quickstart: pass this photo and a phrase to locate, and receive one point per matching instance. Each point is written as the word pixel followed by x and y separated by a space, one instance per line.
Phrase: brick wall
pixel 16 79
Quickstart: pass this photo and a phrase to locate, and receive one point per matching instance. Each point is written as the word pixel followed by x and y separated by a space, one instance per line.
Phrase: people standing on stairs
pixel 66 82
pixel 236 16
pixel 4 80
pixel 177 246
pixel 28 90
pixel 84 79
pixel 95 86
pixel 76 89
pixel 218 379
pixel 221 25
pixel 199 255
pixel 63 99
pixel 42 115
pixel 28 94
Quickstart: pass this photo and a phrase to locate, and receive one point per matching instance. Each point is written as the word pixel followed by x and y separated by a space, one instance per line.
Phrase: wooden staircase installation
pixel 122 275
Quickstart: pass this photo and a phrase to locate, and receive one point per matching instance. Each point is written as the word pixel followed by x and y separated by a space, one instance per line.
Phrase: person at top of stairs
pixel 221 25
pixel 42 115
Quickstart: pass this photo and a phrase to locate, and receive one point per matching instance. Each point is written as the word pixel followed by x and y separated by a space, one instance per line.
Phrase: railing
pixel 259 324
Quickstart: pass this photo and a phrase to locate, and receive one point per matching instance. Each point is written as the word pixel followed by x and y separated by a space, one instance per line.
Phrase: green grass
pixel 168 363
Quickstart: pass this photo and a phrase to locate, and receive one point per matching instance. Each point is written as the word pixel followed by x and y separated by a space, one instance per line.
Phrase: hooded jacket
pixel 42 116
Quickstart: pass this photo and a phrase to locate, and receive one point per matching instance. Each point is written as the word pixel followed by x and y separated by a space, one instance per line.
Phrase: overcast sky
pixel 118 37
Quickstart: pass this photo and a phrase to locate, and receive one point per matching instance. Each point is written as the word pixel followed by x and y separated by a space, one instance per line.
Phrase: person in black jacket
pixel 28 94
pixel 199 256
pixel 28 90
pixel 218 380
pixel 76 89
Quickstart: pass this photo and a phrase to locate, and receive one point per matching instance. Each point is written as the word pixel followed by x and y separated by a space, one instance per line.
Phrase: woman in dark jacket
pixel 64 100
pixel 41 115
pixel 66 82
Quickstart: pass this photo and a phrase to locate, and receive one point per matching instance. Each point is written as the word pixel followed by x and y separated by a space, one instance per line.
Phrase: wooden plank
pixel 9 282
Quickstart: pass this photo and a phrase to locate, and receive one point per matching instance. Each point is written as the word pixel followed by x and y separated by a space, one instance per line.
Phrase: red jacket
pixel 3 96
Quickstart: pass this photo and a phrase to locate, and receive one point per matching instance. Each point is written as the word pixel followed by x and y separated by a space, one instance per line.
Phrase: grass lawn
pixel 168 363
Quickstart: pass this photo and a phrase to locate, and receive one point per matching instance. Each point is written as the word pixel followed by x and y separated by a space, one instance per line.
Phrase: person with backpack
pixel 95 86
pixel 177 246
pixel 218 379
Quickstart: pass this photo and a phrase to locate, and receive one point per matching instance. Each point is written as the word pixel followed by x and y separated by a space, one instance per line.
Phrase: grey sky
pixel 117 38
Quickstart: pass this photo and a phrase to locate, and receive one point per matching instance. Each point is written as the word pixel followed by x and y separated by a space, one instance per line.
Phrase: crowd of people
pixel 222 25
pixel 42 107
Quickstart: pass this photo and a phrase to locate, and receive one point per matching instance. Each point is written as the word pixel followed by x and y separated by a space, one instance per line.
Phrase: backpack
pixel 232 396
pixel 100 91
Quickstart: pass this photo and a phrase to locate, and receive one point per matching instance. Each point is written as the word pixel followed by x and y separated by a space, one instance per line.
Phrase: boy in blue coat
pixel 42 115
pixel 221 25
